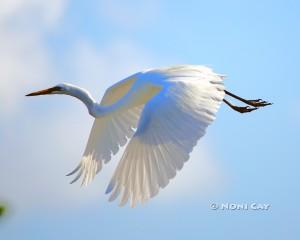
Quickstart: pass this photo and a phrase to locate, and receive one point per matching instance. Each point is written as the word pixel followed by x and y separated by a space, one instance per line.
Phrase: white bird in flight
pixel 162 112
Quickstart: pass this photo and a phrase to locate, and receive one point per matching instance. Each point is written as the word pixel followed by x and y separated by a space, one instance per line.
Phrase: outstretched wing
pixel 108 133
pixel 170 126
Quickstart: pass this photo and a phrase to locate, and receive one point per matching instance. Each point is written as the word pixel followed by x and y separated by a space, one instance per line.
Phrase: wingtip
pixel 74 171
pixel 110 187
pixel 74 180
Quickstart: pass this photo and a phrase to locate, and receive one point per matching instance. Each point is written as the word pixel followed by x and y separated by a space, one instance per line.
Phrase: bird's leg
pixel 253 103
pixel 240 109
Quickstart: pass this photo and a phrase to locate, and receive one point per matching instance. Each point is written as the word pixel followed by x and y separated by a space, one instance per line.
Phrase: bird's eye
pixel 57 89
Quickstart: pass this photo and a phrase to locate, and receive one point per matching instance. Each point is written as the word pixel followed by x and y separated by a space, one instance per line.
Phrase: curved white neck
pixel 134 97
pixel 84 96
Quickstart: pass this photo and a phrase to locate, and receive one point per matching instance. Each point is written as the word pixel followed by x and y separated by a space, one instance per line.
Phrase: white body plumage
pixel 162 111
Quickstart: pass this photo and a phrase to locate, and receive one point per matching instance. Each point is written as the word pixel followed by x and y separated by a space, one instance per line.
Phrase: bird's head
pixel 62 88
pixel 73 91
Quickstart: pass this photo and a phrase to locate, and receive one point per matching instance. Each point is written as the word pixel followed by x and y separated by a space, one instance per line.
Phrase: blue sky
pixel 251 158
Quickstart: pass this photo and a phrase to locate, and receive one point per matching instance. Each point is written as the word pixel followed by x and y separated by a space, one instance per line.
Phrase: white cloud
pixel 45 12
pixel 130 14
pixel 98 68
pixel 24 57
pixel 23 61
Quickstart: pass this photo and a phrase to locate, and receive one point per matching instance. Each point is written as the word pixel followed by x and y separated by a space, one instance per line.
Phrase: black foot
pixel 244 109
pixel 258 103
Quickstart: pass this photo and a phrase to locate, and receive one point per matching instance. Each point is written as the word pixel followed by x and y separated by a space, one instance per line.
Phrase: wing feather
pixel 118 90
pixel 108 133
pixel 170 126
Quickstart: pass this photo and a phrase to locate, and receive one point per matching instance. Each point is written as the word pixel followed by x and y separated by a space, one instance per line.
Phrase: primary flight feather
pixel 162 113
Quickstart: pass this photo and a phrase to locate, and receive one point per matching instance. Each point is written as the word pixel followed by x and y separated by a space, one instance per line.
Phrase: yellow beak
pixel 43 92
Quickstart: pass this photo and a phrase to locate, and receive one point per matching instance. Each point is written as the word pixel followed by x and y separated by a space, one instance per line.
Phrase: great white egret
pixel 163 111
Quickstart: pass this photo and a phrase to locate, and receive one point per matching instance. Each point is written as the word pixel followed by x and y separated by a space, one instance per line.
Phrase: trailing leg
pixel 240 109
pixel 253 103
